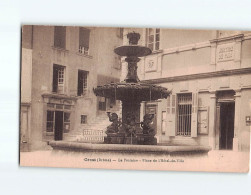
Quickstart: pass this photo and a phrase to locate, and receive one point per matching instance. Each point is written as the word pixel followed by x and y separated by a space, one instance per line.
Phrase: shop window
pixel 50 121
pixel 83 119
pixel 153 38
pixel 58 78
pixel 84 39
pixel 184 114
pixel 59 36
pixel 82 82
pixel 52 111
pixel 67 122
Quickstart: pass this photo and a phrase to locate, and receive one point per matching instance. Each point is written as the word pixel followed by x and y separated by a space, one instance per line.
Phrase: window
pixel 82 82
pixel 84 38
pixel 102 104
pixel 50 121
pixel 153 38
pixel 184 114
pixel 83 119
pixel 58 79
pixel 67 122
pixel 59 36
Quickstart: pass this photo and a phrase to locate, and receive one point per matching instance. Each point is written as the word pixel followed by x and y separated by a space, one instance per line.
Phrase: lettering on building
pixel 225 52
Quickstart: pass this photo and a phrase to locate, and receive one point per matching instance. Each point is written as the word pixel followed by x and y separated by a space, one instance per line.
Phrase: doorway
pixel 59 125
pixel 226 125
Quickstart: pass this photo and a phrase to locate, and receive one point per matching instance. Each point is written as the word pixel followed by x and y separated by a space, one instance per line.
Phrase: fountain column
pixel 132 76
pixel 132 107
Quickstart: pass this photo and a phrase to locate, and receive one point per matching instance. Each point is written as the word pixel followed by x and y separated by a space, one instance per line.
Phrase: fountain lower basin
pixel 157 149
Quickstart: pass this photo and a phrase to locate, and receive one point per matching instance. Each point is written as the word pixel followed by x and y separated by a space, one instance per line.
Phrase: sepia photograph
pixel 125 97
pixel 135 98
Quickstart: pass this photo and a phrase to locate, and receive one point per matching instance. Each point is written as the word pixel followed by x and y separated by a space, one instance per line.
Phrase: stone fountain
pixel 131 92
pixel 130 134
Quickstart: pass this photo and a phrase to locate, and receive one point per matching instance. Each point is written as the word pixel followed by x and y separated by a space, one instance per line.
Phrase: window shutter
pixel 194 125
pixel 80 83
pixel 171 113
pixel 55 79
pixel 60 36
pixel 84 37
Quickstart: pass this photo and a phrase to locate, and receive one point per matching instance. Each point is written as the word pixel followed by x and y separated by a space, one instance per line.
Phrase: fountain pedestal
pixel 114 138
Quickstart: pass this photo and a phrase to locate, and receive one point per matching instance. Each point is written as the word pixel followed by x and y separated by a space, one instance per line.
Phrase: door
pixel 24 135
pixel 152 109
pixel 226 126
pixel 59 125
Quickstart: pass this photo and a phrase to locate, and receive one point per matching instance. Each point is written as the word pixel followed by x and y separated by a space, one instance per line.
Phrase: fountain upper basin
pixel 132 91
pixel 133 50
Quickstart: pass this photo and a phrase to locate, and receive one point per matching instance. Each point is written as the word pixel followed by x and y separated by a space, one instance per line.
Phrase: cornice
pixel 201 45
pixel 200 76
pixel 238 36
pixel 186 47
pixel 247 36
pixel 58 96
pixel 25 103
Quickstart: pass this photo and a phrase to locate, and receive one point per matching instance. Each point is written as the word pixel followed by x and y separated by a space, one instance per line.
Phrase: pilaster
pixel 213 53
pixel 212 117
pixel 237 51
pixel 237 117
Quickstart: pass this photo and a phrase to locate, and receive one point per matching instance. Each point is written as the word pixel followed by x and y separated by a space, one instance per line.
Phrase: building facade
pixel 60 67
pixel 209 73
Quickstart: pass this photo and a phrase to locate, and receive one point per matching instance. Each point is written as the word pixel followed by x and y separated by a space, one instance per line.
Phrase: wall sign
pixel 225 52
pixel 150 64
pixel 203 115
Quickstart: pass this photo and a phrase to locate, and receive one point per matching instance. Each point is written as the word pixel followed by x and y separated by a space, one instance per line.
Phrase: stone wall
pixel 99 61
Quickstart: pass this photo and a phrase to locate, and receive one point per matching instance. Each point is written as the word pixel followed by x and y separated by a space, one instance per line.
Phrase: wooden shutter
pixel 55 79
pixel 60 36
pixel 80 83
pixel 194 125
pixel 84 37
pixel 171 116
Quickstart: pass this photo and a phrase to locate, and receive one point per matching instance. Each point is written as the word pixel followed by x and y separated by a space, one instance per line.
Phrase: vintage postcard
pixel 135 98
